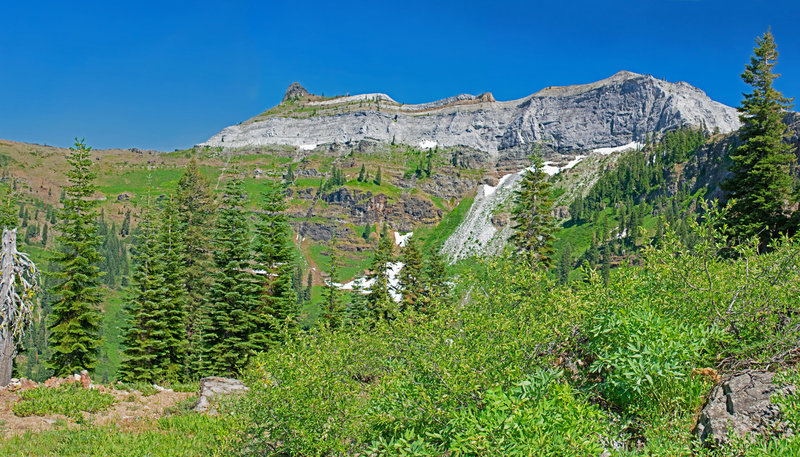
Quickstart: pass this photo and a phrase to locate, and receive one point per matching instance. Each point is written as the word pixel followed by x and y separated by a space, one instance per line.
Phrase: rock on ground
pixel 213 387
pixel 742 405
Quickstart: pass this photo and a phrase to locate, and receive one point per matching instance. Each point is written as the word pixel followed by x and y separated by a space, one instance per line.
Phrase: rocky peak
pixel 295 91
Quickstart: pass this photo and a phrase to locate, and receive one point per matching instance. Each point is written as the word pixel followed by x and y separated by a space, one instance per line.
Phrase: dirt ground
pixel 132 410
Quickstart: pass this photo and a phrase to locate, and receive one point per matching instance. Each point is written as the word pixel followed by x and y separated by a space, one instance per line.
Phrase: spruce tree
pixel 74 321
pixel 761 184
pixel 362 173
pixel 274 259
pixel 144 338
pixel 534 223
pixel 414 289
pixel 195 211
pixel 378 177
pixel 379 299
pixel 565 264
pixel 436 278
pixel 174 272
pixel 332 307
pixel 228 322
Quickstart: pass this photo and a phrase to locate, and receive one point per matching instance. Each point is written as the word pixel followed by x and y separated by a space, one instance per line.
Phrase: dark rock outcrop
pixel 742 404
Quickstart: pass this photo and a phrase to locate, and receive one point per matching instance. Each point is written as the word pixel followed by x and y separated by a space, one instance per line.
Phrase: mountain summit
pixel 615 111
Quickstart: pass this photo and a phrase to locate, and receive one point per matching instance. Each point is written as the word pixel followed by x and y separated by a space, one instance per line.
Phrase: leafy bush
pixel 69 399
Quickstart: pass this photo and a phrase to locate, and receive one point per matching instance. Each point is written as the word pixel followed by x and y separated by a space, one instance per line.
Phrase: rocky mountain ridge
pixel 612 112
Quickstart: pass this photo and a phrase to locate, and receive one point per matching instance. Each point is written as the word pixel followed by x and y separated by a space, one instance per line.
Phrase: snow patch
pixel 364 284
pixel 625 147
pixel 428 144
pixel 401 240
pixel 550 169
pixel 308 147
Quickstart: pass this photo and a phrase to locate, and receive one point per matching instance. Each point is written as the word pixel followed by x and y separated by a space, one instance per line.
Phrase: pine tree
pixel 274 259
pixel 378 177
pixel 44 234
pixel 606 262
pixel 534 223
pixel 75 317
pixel 307 291
pixel 362 173
pixel 414 289
pixel 437 279
pixel 332 307
pixel 144 338
pixel 174 272
pixel 233 295
pixel 195 205
pixel 126 224
pixel 290 174
pixel 761 185
pixel 367 231
pixel 379 300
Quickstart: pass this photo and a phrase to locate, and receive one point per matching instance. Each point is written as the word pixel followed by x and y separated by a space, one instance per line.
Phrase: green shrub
pixel 69 399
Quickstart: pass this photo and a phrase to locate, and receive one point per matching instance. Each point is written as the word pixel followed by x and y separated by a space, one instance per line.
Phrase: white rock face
pixel 613 112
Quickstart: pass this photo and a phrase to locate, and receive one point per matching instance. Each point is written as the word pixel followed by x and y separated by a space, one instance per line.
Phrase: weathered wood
pixel 19 287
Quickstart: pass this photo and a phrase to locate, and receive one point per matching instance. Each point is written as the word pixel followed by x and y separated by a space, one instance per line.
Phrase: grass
pixel 434 237
pixel 182 435
pixel 111 348
pixel 70 400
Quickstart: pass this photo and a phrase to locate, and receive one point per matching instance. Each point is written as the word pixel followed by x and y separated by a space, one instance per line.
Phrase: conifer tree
pixel 761 184
pixel 144 338
pixel 436 278
pixel 44 234
pixel 75 317
pixel 195 211
pixel 534 223
pixel 233 295
pixel 378 177
pixel 414 289
pixel 379 300
pixel 274 260
pixel 362 173
pixel 332 307
pixel 174 272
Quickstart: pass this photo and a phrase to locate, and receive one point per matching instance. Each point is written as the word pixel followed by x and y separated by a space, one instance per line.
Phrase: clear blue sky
pixel 168 75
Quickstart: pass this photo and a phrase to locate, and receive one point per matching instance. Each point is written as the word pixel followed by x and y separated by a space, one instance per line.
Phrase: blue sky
pixel 167 74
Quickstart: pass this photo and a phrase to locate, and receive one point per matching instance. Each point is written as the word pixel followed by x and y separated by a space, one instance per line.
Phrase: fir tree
pixel 174 272
pixel 534 223
pixel 290 174
pixel 378 177
pixel 126 224
pixel 44 234
pixel 414 289
pixel 145 336
pixel 307 291
pixel 274 259
pixel 332 307
pixel 379 300
pixel 195 211
pixel 233 296
pixel 362 173
pixel 437 279
pixel 367 231
pixel 75 317
pixel 761 185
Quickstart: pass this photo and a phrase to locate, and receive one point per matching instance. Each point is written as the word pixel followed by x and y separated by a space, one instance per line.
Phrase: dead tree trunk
pixel 19 284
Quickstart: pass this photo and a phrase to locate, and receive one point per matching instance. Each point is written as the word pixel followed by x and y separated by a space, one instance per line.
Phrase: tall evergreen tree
pixel 565 264
pixel 379 299
pixel 75 317
pixel 195 211
pixel 145 336
pixel 274 259
pixel 378 177
pixel 332 306
pixel 362 173
pixel 228 322
pixel 761 184
pixel 534 223
pixel 412 280
pixel 436 278
pixel 174 272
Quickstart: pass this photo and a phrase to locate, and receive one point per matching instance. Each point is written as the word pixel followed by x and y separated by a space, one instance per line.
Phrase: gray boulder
pixel 742 405
pixel 214 387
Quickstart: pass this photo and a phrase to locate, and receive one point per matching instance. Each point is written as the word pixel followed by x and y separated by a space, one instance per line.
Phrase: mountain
pixel 625 108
